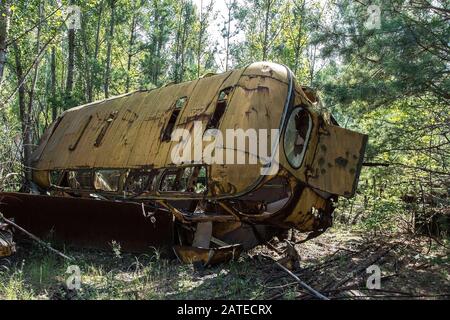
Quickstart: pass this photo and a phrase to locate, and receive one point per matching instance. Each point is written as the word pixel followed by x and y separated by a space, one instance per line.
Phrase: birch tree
pixel 4 29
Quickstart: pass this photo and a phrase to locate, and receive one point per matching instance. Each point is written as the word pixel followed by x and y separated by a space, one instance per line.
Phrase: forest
pixel 380 67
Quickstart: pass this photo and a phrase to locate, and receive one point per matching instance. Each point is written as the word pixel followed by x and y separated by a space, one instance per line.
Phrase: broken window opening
pixel 192 179
pixel 179 104
pixel 168 181
pixel 56 177
pixel 155 182
pixel 112 116
pixel 64 182
pixel 221 106
pixel 140 181
pixel 188 179
pixel 185 179
pixel 80 179
pixel 296 136
pixel 200 185
pixel 107 180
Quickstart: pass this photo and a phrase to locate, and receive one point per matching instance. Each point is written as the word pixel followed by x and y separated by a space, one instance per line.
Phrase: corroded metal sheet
pixel 207 256
pixel 90 223
pixel 258 102
pixel 125 132
pixel 301 216
pixel 338 160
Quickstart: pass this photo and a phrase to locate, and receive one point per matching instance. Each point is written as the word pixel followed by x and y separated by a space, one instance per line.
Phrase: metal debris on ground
pixel 343 272
pixel 7 245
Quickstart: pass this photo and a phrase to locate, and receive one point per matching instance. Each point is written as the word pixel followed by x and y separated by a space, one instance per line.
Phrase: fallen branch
pixel 398 296
pixel 271 246
pixel 46 245
pixel 302 284
pixel 333 257
pixel 282 286
pixel 361 267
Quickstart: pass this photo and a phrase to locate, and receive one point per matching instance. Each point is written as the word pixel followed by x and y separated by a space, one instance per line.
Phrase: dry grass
pixel 413 268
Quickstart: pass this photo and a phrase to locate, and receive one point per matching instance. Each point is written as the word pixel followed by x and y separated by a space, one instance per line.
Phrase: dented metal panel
pixel 338 160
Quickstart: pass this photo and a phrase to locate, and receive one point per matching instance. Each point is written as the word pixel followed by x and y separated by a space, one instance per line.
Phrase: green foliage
pixel 392 83
pixel 13 286
pixel 10 154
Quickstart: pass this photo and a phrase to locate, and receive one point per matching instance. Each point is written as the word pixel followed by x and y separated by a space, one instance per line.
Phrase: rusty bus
pixel 104 170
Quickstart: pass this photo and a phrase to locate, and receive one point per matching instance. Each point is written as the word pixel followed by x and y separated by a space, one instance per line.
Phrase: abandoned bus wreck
pixel 105 172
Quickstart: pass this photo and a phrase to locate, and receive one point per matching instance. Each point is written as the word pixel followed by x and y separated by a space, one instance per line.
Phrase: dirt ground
pixel 334 264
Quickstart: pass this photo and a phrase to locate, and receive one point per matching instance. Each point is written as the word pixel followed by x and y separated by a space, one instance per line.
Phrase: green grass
pixel 36 274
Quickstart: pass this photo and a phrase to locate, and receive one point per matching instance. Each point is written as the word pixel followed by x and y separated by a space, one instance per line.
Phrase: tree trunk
pixel 90 89
pixel 204 23
pixel 36 67
pixel 200 39
pixel 312 63
pixel 130 47
pixel 109 48
pixel 178 46
pixel 227 54
pixel 157 62
pixel 183 43
pixel 70 64
pixel 23 114
pixel 53 84
pixel 97 33
pixel 85 58
pixel 266 30
pixel 28 139
pixel 154 41
pixel 183 56
pixel 298 42
pixel 4 28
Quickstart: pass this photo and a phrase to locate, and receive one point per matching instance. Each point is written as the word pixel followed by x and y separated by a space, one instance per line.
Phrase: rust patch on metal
pixel 341 161
pixel 259 89
pixel 208 256
pixel 90 223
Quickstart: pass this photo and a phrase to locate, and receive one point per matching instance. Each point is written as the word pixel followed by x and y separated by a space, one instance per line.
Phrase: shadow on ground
pixel 335 264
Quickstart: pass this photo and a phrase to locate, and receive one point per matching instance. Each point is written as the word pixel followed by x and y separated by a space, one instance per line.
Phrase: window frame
pixel 119 183
pixel 90 187
pixel 178 171
pixel 307 138
pixel 165 134
pixel 227 101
